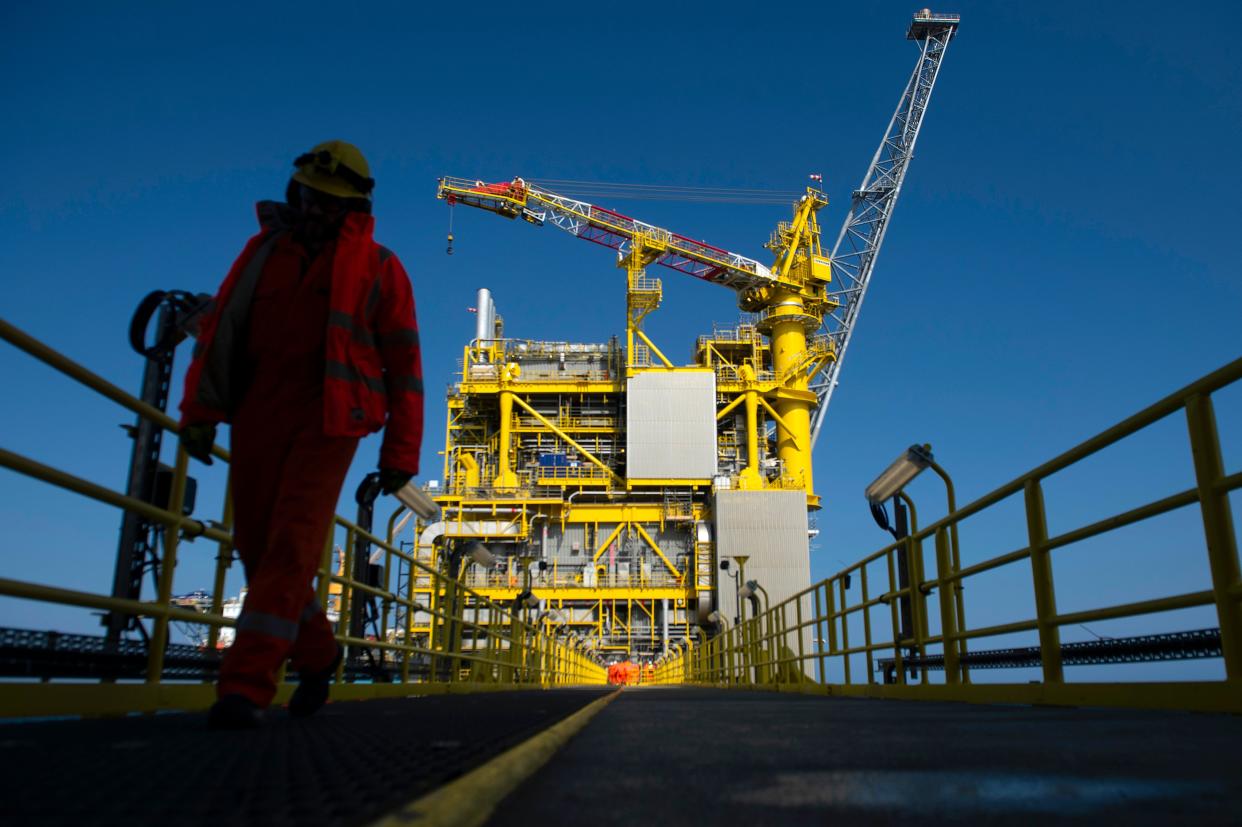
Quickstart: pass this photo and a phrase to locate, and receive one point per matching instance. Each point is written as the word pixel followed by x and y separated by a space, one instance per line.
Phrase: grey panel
pixel 671 425
pixel 770 527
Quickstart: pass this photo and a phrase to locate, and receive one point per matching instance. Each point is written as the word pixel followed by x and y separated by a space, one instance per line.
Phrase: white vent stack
pixel 485 316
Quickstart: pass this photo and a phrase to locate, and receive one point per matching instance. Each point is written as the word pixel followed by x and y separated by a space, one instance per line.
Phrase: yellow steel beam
pixel 566 437
pixel 603 547
pixel 659 354
pixel 728 408
pixel 585 593
pixel 777 417
pixel 642 532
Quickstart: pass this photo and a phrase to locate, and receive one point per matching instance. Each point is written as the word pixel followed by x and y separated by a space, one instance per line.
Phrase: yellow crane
pixel 790 297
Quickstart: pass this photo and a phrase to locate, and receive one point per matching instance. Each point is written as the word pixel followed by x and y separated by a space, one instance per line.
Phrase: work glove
pixel 392 480
pixel 198 441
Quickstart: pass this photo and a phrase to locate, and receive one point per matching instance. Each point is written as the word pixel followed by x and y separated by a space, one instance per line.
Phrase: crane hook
pixel 449 250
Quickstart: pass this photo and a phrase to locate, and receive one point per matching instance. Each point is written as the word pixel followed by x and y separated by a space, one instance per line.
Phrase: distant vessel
pixel 200 601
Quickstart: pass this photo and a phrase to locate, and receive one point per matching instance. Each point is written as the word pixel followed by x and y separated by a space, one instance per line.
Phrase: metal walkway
pixel 674 755
pixel 705 756
pixel 349 765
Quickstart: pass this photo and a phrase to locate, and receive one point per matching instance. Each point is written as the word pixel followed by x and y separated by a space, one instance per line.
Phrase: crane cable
pixel 449 250
pixel 663 192
pixel 573 188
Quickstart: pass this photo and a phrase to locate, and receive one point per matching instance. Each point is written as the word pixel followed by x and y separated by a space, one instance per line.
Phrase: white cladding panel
pixel 671 425
pixel 770 527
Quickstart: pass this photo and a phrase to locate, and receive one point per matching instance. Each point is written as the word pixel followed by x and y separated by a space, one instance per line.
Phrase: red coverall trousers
pixel 286 478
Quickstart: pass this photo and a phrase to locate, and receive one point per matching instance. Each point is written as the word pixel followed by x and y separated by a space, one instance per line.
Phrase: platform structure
pixel 608 493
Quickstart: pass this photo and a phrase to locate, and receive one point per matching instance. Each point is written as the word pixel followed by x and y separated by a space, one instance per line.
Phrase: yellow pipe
pixel 505 478
pixel 471 465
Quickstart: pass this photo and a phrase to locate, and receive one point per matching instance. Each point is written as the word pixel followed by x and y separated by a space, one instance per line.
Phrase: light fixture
pixel 751 591
pixel 527 600
pixel 896 476
pixel 415 499
pixel 478 553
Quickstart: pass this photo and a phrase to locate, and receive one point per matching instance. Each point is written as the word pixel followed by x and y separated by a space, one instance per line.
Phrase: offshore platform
pixel 599 503
pixel 631 500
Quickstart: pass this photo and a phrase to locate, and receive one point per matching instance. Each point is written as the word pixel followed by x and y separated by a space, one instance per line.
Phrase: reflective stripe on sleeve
pixel 340 370
pixel 410 384
pixel 407 337
pixel 266 624
pixel 341 319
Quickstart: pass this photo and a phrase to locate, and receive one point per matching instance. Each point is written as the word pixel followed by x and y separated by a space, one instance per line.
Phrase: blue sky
pixel 1064 252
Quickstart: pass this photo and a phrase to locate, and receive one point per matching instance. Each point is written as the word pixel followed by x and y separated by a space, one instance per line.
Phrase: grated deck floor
pixel 347 765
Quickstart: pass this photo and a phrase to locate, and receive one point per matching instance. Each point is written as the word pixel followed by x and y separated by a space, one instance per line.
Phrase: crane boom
pixel 531 202
pixel 792 299
pixel 858 245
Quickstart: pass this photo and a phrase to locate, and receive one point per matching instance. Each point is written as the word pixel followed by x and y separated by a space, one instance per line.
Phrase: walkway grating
pixel 350 764
pixel 705 756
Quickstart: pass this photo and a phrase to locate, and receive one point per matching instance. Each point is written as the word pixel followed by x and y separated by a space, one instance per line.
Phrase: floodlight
pixel 478 553
pixel 896 476
pixel 415 499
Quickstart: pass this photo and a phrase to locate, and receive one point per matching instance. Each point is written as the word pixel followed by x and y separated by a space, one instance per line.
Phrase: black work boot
pixel 312 691
pixel 235 712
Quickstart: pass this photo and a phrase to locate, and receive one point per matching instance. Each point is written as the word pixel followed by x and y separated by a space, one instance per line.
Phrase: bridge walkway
pixel 680 755
pixel 349 765
pixel 659 755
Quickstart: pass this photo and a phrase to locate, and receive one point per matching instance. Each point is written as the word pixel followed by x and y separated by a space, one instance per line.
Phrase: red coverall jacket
pixel 373 372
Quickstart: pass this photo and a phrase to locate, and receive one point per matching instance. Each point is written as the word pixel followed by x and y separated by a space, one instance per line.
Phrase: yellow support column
pixel 794 401
pixel 505 478
pixel 751 478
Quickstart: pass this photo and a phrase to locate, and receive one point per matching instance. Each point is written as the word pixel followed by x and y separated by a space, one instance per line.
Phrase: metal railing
pixel 466 642
pixel 573 579
pixel 798 643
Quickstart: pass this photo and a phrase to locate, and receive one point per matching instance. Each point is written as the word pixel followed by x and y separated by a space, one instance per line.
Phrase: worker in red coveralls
pixel 310 345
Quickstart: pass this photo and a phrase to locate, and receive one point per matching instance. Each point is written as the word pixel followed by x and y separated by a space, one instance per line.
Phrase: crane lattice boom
pixel 797 288
pixel 858 245
pixel 519 198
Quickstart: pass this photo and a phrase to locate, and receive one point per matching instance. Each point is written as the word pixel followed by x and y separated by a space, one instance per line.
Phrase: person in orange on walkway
pixel 311 344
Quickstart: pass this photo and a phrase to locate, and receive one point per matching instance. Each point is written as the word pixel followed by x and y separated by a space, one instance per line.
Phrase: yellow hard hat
pixel 336 168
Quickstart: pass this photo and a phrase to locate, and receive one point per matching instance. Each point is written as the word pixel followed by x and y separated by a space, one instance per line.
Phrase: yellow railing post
pixel 866 613
pixel 801 634
pixel 918 601
pixel 845 630
pixel 948 615
pixel 168 566
pixel 224 559
pixel 894 608
pixel 1217 516
pixel 821 638
pixel 1041 577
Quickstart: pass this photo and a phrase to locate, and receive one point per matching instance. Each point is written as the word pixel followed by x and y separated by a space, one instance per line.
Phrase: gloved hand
pixel 392 480
pixel 198 441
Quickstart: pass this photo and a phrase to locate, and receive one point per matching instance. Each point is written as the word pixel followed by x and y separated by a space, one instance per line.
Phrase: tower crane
pixel 809 325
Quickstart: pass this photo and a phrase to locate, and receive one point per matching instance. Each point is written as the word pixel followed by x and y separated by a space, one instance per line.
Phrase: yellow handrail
pixel 771 650
pixel 466 642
